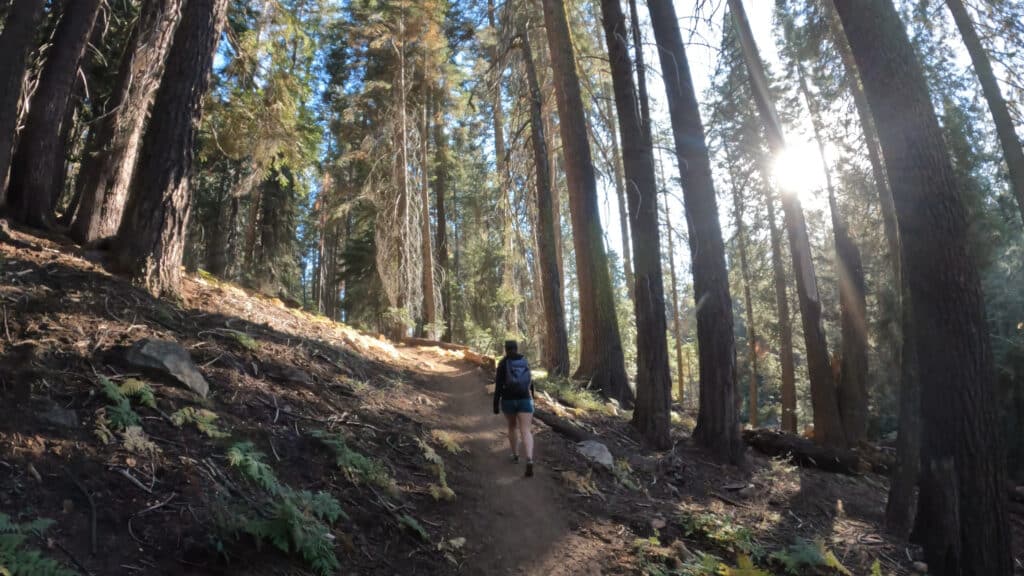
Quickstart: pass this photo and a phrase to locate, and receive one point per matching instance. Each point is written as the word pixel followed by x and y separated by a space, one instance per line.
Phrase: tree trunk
pixel 853 374
pixel 654 380
pixel 788 387
pixel 16 42
pixel 828 427
pixel 107 174
pixel 441 168
pixel 717 420
pixel 427 247
pixel 601 356
pixel 39 155
pixel 556 357
pixel 151 238
pixel 1012 149
pixel 748 305
pixel 899 508
pixel 641 70
pixel 620 196
pixel 677 320
pixel 962 505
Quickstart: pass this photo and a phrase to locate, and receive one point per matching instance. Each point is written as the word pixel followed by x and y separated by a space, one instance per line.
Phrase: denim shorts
pixel 517 405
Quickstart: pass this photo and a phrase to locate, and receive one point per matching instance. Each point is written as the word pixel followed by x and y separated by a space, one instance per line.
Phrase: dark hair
pixel 511 347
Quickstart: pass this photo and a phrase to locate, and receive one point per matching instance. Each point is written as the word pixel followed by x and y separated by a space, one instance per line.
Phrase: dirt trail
pixel 513 524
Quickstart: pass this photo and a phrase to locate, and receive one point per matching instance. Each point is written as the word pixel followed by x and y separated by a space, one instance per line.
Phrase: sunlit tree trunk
pixel 962 512
pixel 828 427
pixel 427 248
pixel 718 420
pixel 788 386
pixel 654 381
pixel 36 168
pixel 107 175
pixel 441 168
pixel 16 42
pixel 556 357
pixel 151 239
pixel 601 356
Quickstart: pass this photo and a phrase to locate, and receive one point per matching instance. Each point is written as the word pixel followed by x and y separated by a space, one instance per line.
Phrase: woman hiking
pixel 513 392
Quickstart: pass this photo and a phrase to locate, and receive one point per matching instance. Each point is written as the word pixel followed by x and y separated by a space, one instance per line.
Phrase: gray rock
pixel 644 464
pixel 171 359
pixel 60 417
pixel 596 452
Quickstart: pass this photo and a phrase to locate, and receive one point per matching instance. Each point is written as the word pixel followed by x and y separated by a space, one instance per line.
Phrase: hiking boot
pixel 515 458
pixel 529 469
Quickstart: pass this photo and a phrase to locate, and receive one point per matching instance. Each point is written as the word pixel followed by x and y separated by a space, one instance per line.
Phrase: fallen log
pixel 481 360
pixel 806 453
pixel 563 427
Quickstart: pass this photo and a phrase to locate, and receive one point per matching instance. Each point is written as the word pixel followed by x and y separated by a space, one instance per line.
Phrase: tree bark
pixel 601 356
pixel 441 168
pixel 748 305
pixel 654 381
pixel 16 42
pixel 556 357
pixel 677 313
pixel 828 427
pixel 788 387
pixel 39 156
pixel 717 420
pixel 853 374
pixel 108 174
pixel 426 245
pixel 1013 152
pixel 151 238
pixel 962 505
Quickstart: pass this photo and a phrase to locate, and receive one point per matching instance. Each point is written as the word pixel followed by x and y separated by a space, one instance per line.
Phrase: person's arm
pixel 499 383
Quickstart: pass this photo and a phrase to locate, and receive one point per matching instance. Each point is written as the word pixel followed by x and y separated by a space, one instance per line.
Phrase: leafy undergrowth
pixel 303 458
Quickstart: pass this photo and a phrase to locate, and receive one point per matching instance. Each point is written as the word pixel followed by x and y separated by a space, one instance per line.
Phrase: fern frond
pixel 249 461
pixel 139 390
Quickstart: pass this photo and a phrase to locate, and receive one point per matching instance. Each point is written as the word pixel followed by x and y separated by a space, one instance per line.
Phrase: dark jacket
pixel 500 376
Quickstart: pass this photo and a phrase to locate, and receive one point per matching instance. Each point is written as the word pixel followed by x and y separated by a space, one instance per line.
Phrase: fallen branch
pixel 563 427
pixel 133 480
pixel 806 453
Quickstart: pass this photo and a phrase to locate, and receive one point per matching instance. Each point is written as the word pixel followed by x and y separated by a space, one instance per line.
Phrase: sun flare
pixel 798 170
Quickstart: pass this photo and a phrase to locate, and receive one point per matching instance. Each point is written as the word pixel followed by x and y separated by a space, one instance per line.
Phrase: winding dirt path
pixel 513 524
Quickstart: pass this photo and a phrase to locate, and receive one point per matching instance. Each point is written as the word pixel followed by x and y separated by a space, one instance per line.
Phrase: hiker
pixel 513 392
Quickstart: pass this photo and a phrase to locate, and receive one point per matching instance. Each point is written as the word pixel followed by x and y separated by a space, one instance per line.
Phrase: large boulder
pixel 596 452
pixel 171 359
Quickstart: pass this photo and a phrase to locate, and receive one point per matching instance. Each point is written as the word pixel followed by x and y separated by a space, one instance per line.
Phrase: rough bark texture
pixel 39 155
pixel 962 507
pixel 556 349
pixel 1012 149
pixel 441 168
pixel 654 381
pixel 426 244
pixel 108 173
pixel 601 357
pixel 828 428
pixel 853 371
pixel 151 239
pixel 788 386
pixel 16 43
pixel 803 452
pixel 748 305
pixel 718 418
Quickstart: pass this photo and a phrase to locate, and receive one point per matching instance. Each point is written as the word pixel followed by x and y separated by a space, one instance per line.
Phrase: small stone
pixel 747 491
pixel 658 523
pixel 920 567
pixel 171 359
pixel 596 452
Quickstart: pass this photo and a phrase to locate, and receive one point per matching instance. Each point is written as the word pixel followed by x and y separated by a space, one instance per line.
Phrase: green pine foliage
pixel 17 558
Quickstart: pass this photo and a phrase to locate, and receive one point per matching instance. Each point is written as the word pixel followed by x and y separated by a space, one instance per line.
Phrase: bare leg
pixel 525 423
pixel 512 437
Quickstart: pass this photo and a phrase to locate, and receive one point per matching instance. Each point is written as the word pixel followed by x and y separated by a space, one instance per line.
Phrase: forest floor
pixel 402 437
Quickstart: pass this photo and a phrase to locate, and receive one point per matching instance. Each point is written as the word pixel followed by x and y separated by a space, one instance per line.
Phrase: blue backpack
pixel 517 385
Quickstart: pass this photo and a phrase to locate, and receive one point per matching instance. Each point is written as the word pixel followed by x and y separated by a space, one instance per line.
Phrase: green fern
pixel 244 340
pixel 139 390
pixel 119 413
pixel 249 461
pixel 16 559
pixel 414 525
pixel 440 491
pixel 808 557
pixel 204 420
pixel 358 467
